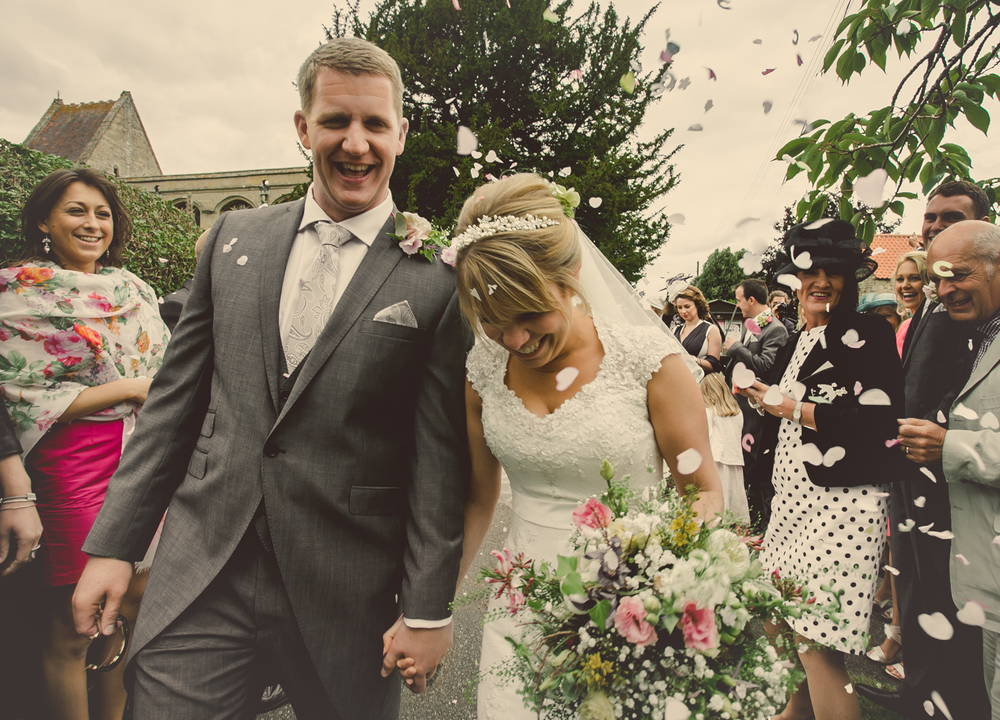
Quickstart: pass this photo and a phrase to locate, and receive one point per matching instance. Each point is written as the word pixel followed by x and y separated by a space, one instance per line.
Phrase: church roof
pixel 895 247
pixel 69 130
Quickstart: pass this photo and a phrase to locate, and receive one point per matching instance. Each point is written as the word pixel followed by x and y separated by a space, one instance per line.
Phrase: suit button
pixel 284 395
pixel 271 449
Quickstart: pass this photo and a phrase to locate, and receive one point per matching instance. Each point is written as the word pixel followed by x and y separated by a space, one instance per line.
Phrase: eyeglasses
pixel 106 651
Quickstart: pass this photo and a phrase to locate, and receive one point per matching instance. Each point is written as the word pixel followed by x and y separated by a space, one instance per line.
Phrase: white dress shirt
pixel 305 248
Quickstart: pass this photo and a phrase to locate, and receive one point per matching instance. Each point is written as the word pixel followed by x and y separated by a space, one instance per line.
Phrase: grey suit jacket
pixel 971 459
pixel 758 354
pixel 361 464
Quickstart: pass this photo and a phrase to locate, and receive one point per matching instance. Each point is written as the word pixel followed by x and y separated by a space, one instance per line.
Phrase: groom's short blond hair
pixel 355 57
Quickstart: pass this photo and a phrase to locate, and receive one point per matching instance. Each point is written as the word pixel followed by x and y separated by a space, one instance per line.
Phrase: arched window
pixel 236 204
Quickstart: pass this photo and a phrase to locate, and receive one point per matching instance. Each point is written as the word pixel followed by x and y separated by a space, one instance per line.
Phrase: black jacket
pixel 836 378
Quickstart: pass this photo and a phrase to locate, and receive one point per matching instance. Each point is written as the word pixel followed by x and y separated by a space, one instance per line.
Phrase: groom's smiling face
pixel 355 134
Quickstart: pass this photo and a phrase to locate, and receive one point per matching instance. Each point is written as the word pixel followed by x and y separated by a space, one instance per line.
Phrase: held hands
pixel 922 440
pixel 98 595
pixel 756 392
pixel 415 652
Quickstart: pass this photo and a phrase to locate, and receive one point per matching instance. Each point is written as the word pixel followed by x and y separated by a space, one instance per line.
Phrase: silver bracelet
pixel 27 497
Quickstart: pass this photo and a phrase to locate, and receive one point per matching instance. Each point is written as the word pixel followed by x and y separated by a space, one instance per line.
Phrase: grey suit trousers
pixel 213 661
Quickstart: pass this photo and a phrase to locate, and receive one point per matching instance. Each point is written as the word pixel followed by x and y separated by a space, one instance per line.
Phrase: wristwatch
pixel 797 413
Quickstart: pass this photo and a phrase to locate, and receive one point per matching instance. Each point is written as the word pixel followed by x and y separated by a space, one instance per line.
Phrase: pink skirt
pixel 69 470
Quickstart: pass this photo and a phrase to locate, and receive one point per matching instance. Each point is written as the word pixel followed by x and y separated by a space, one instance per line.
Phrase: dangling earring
pixel 47 244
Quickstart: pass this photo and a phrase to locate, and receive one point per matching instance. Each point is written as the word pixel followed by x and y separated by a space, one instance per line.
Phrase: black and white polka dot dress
pixel 824 536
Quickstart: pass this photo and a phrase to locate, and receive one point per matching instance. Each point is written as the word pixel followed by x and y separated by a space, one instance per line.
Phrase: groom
pixel 314 470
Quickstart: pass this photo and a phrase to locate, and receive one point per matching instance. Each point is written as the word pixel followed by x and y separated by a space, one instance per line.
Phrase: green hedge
pixel 162 247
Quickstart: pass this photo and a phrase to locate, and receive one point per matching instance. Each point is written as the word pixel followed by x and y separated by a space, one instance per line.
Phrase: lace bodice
pixel 553 462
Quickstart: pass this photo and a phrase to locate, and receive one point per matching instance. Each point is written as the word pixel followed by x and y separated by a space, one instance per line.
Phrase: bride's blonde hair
pixel 511 271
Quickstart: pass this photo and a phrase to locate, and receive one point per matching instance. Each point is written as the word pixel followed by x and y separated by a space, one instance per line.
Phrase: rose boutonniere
pixel 417 236
pixel 764 318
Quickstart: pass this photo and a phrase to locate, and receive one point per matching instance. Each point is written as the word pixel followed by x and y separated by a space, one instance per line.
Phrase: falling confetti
pixel 475 293
pixel 936 625
pixel 790 281
pixel 162 260
pixel 758 41
pixel 870 188
pixel 595 202
pixel 920 501
pixel 550 16
pixel 476 154
pixel 743 377
pixel 227 248
pixel 688 461
pixel 676 219
pixel 939 701
pixel 233 241
pixel 814 38
pixel 803 260
pixel 849 688
pixel 929 474
pixel 799 390
pixel 467 140
pixel 565 378
pixel 767 106
pixel 566 171
pixel 798 60
pixel 711 74
pixel 491 288
pixel 686 82
pixel 818 224
pixel 709 105
pixel 929 707
pixel 962 559
pixel 628 82
pixel 942 268
pixel 974 454
pixel 941 418
pixel 942 534
pixel 809 453
pixel 752 326
pixel 893 443
pixel 907 525
pixel 851 340
pixel 877 251
pixel 857 388
pixel 890 568
pixel 695 128
pixel 751 263
pixel 456 5
pixel 747 442
pixel 457 173
pixel 773 396
pixel 875 396
pixel 243 260
pixel 989 421
pixel 965 412
pixel 833 456
pixel 768 71
pixel 491 157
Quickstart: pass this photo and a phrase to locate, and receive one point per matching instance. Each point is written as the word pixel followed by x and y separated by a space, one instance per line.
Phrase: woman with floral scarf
pixel 80 339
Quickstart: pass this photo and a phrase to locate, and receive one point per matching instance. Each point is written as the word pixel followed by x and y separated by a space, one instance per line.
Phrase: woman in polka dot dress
pixel 827 448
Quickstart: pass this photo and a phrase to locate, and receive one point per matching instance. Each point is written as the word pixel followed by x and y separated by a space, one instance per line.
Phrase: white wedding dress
pixel 554 462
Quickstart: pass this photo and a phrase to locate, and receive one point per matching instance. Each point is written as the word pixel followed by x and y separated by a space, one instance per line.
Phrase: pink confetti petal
pixel 747 442
pixel 857 388
pixel 798 59
pixel 565 377
pixel 712 75
pixel 893 443
pixel 752 326
pixel 455 4
pixel 768 71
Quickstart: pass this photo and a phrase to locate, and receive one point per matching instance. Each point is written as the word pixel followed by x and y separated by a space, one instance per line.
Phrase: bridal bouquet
pixel 648 617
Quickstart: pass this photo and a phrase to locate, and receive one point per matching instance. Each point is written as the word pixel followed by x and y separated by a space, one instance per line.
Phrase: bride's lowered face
pixel 536 339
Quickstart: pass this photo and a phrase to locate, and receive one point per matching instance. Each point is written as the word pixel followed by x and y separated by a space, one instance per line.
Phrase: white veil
pixel 612 297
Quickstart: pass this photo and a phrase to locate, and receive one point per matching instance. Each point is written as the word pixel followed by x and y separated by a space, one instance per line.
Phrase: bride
pixel 563 375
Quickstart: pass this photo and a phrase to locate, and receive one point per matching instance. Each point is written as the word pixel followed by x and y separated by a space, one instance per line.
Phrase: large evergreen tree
pixel 539 89
pixel 721 272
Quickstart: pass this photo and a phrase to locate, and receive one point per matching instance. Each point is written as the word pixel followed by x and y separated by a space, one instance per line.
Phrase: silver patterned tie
pixel 315 303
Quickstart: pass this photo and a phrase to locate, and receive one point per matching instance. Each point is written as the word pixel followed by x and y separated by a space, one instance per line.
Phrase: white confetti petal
pixel 920 501
pixel 467 140
pixel 893 570
pixel 851 336
pixel 833 455
pixel 962 559
pixel 791 281
pixel 849 688
pixel 474 172
pixel 818 224
pixel 989 421
pixel 565 172
pixel 939 701
pixel 227 248
pixel 942 534
pixel 476 154
pixel 965 412
pixel 233 241
pixel 475 293
pixel 595 202
pixel 877 251
pixel 799 391
pixel 160 301
pixel 869 189
pixel 974 454
pixel 809 453
pixel 565 378
pixel 928 473
pixel 906 525
pixel 242 260
pixel 676 219
pixel 925 528
pixel 457 173
pixel 880 494
pixel 491 156
pixel 929 708
pixel 674 709
pixel 803 260
pixel 688 461
pixel 773 396
pixel 492 288
pixel 822 341
pixel 162 260
pixel 996 540
pixel 936 625
pixel 941 417
pixel 743 377
pixel 875 396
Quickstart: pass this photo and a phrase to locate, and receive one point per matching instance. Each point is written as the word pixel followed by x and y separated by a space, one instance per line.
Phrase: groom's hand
pixel 426 647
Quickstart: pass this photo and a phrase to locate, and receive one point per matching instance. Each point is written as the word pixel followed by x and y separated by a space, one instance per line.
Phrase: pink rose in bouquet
pixel 630 622
pixel 698 625
pixel 592 514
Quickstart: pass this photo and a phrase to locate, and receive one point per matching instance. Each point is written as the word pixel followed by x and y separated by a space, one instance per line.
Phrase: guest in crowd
pixel 909 280
pixel 950 203
pixel 963 261
pixel 781 305
pixel 824 448
pixel 700 335
pixel 883 304
pixel 172 305
pixel 933 354
pixel 84 337
pixel 725 425
pixel 763 335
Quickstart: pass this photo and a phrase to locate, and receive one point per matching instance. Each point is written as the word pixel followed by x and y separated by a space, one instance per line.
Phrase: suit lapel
pixel 282 233
pixel 925 311
pixel 383 255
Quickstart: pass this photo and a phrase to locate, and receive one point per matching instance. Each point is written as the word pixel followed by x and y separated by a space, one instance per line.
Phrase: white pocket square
pixel 398 314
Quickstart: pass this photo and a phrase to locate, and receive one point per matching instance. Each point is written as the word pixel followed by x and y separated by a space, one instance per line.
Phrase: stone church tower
pixel 106 135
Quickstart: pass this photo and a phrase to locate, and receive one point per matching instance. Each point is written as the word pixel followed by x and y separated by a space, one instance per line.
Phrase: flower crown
pixel 494 225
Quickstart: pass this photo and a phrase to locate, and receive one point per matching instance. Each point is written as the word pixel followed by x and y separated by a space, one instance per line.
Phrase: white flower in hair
pixel 497 224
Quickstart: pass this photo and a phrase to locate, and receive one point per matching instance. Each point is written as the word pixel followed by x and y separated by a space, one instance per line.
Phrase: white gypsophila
pixel 489 225
pixel 728 549
pixel 716 703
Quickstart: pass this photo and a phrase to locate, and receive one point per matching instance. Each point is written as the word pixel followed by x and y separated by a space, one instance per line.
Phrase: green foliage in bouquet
pixel 650 616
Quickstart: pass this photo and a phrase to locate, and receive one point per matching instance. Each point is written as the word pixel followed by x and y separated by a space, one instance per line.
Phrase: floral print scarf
pixel 62 331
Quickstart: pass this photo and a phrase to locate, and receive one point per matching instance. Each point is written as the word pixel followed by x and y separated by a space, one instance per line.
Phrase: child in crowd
pixel 725 425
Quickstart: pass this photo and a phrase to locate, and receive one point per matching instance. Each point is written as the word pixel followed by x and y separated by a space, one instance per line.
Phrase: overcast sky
pixel 213 84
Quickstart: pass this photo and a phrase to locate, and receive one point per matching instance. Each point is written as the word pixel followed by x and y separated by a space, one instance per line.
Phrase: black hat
pixel 830 244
